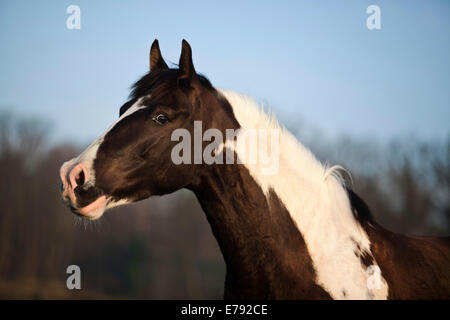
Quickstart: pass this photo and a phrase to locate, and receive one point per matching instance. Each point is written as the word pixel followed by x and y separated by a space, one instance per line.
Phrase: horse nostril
pixel 78 176
pixel 79 179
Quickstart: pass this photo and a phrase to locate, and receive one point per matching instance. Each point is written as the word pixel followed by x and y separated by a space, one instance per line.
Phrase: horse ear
pixel 156 60
pixel 187 71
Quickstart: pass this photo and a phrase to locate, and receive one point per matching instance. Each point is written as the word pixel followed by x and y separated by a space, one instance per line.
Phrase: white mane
pixel 318 204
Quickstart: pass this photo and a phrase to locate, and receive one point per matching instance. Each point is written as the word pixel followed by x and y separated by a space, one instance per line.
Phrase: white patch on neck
pixel 319 206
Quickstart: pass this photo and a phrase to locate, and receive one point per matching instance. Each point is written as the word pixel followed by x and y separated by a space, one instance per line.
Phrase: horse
pixel 296 232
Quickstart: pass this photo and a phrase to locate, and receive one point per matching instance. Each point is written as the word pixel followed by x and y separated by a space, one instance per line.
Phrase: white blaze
pixel 88 156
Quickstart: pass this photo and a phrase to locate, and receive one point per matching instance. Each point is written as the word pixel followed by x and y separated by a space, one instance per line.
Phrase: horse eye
pixel 161 118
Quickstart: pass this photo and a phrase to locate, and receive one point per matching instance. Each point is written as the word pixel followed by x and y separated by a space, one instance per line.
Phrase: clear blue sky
pixel 311 60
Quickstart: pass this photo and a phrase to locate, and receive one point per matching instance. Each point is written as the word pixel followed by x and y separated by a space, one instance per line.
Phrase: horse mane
pixel 360 209
pixel 328 214
pixel 250 110
pixel 162 81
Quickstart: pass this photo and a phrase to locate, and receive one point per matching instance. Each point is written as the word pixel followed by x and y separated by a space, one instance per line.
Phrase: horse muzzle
pixel 79 192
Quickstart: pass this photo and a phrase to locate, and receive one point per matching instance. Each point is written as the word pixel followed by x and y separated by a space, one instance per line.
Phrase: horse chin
pixel 92 211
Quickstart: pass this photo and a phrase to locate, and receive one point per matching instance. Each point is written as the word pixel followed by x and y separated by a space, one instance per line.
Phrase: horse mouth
pixel 92 211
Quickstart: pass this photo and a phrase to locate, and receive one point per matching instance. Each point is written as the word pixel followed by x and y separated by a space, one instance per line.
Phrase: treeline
pixel 163 247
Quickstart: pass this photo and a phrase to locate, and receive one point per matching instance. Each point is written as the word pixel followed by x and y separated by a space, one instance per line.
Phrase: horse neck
pixel 257 237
